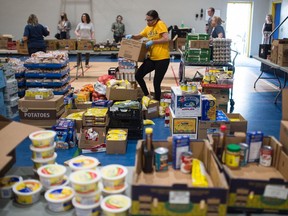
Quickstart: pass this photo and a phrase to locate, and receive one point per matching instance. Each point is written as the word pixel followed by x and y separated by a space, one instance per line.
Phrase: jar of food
pixel 232 156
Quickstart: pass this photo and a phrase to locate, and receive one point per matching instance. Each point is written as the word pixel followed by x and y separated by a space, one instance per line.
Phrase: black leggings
pixel 148 66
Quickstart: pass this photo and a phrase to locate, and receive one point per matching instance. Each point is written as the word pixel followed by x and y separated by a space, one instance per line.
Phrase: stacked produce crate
pixel 10 90
pixel 48 70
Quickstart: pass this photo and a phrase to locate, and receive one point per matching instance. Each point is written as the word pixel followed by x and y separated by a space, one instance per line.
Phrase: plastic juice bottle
pixel 148 153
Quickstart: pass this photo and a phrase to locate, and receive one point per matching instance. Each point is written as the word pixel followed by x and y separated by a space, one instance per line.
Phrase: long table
pixel 274 67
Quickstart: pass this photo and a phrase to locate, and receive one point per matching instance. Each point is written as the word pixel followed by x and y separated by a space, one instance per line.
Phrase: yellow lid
pixel 149 130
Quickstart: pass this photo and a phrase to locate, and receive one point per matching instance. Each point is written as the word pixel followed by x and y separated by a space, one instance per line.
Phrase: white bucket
pixel 59 199
pixel 85 181
pixel 116 205
pixel 83 163
pixel 86 210
pixel 51 175
pixel 42 138
pixel 113 177
pixel 27 191
pixel 43 153
pixel 6 184
pixel 88 199
pixel 42 162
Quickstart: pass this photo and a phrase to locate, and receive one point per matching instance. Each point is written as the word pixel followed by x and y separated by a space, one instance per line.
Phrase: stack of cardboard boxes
pixel 279 52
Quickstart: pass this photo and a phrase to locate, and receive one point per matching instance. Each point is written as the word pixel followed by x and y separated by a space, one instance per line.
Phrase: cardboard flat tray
pixel 223 86
pixel 46 65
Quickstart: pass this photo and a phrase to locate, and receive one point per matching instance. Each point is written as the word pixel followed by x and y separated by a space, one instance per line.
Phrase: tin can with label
pixel 244 152
pixel 186 162
pixel 266 155
pixel 161 159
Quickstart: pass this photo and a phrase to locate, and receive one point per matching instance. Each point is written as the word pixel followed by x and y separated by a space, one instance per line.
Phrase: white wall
pixel 14 14
pixel 283 32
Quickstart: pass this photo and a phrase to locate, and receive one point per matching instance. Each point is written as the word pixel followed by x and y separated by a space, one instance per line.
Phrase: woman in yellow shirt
pixel 158 54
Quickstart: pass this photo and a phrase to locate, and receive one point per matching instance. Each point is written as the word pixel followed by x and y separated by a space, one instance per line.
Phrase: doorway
pixel 239 29
pixel 276 13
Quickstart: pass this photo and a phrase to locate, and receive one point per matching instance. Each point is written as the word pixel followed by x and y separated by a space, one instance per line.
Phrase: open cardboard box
pixel 171 192
pixel 250 187
pixel 78 122
pixel 86 144
pixel 11 134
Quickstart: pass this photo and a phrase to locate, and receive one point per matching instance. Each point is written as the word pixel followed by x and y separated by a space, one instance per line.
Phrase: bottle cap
pixel 149 130
pixel 233 147
pixel 223 128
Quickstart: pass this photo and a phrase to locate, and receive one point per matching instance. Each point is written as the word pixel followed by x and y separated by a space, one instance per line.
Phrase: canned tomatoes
pixel 266 155
pixel 186 162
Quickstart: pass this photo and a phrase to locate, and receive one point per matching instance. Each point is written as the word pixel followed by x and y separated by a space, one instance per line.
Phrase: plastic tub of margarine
pixel 86 210
pixel 6 184
pixel 42 162
pixel 85 181
pixel 27 191
pixel 42 138
pixel 83 163
pixel 88 199
pixel 42 153
pixel 64 182
pixel 112 192
pixel 51 175
pixel 113 177
pixel 60 198
pixel 116 205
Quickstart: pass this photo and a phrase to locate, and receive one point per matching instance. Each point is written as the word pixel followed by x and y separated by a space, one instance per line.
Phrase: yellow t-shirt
pixel 157 51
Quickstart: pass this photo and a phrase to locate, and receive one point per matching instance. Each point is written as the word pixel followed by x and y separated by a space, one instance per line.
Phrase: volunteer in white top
pixel 85 30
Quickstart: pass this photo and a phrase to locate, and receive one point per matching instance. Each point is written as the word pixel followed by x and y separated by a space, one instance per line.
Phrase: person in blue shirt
pixel 34 34
pixel 218 30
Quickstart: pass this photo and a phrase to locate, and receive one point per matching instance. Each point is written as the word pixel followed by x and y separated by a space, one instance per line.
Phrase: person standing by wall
pixel 210 12
pixel 34 34
pixel 64 26
pixel 217 28
pixel 118 29
pixel 85 30
pixel 267 28
pixel 159 57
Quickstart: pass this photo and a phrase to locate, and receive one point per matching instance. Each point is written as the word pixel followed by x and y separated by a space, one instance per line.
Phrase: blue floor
pixel 257 108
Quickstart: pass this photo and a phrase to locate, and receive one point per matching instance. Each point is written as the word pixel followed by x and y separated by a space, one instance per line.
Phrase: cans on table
pixel 161 159
pixel 244 152
pixel 266 155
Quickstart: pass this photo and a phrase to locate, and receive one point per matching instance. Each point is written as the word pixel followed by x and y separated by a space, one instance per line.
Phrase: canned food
pixel 161 159
pixel 266 155
pixel 244 152
pixel 186 162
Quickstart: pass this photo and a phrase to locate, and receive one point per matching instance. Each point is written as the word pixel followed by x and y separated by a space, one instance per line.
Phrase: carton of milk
pixel 180 144
pixel 254 140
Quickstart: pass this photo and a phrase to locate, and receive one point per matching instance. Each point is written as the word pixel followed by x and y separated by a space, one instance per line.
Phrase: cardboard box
pixel 282 55
pixel 258 188
pixel 284 135
pixel 285 104
pixel 83 143
pixel 78 122
pixel 51 44
pixel 4 41
pixel 85 105
pixel 116 146
pixel 152 110
pixel 85 44
pixel 121 94
pixel 274 51
pixel 171 192
pixel 210 127
pixel 185 104
pixel 237 123
pixel 132 50
pixel 67 44
pixel 42 113
pixel 180 43
pixel 11 134
pixel 183 125
pixel 22 48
